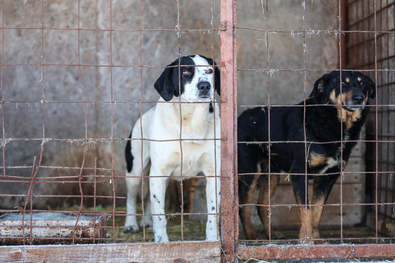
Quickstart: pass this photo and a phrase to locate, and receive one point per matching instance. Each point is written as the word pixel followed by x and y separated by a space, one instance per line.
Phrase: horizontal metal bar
pixel 116 30
pixel 317 251
pixel 137 252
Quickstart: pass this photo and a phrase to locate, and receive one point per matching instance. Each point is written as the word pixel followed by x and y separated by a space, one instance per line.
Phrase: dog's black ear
pixel 217 76
pixel 320 93
pixel 164 84
pixel 372 86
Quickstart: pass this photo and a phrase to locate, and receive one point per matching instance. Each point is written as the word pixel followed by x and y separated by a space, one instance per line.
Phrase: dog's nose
pixel 204 86
pixel 358 99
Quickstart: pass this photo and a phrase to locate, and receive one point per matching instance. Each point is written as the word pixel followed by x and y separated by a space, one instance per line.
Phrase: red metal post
pixel 229 197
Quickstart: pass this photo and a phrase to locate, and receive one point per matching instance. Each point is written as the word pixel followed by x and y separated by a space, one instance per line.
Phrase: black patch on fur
pixel 211 108
pixel 156 199
pixel 128 155
pixel 217 74
pixel 168 83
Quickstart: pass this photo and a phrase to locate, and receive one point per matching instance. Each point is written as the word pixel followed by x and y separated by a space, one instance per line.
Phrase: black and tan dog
pixel 334 115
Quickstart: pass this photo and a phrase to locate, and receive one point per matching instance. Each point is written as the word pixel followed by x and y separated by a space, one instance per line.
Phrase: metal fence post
pixel 229 218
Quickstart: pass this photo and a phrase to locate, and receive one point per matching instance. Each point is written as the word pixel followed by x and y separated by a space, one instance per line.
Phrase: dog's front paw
pixel 211 236
pixel 252 236
pixel 161 239
pixel 274 234
pixel 131 229
pixel 278 235
pixel 212 239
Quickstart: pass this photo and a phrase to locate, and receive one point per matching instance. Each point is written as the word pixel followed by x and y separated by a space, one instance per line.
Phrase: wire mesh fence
pixel 359 209
pixel 78 75
pixel 378 55
pixel 75 76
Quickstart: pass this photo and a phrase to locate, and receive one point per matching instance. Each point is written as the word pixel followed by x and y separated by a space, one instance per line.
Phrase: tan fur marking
pixel 252 189
pixel 347 80
pixel 348 117
pixel 352 117
pixel 359 79
pixel 346 97
pixel 333 98
pixel 306 227
pixel 317 213
pixel 246 210
pixel 317 159
pixel 263 199
pixel 190 188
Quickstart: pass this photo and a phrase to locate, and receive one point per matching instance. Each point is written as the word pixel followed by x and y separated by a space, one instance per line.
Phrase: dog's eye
pixel 186 72
pixel 209 71
pixel 342 83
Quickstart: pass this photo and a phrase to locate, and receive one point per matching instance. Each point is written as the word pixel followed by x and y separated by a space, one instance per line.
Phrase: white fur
pixel 162 159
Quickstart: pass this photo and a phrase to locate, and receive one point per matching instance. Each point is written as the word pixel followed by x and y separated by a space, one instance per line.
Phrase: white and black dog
pixel 187 85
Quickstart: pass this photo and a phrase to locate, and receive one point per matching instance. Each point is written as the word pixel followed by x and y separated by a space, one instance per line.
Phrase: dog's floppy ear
pixel 164 84
pixel 217 76
pixel 320 92
pixel 372 86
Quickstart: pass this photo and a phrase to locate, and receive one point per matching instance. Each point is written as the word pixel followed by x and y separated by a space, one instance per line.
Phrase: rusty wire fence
pixel 378 55
pixel 358 216
pixel 73 88
pixel 76 75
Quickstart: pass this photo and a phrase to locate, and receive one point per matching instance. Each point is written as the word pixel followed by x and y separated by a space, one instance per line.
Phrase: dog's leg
pixel 147 212
pixel 190 186
pixel 263 199
pixel 133 186
pixel 247 185
pixel 158 185
pixel 213 199
pixel 321 190
pixel 306 221
pixel 306 216
pixel 140 166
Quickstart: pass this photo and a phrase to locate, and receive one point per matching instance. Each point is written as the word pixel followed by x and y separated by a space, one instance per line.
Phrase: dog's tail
pixel 128 155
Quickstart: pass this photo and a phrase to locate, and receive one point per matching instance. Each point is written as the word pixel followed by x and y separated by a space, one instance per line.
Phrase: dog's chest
pixel 193 122
pixel 322 162
pixel 189 161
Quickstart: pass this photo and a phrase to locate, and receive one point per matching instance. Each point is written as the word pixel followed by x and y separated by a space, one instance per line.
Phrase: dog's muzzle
pixel 204 89
pixel 357 102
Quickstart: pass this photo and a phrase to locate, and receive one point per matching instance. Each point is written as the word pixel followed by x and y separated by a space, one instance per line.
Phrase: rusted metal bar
pixel 138 252
pixel 310 252
pixel 51 228
pixel 229 200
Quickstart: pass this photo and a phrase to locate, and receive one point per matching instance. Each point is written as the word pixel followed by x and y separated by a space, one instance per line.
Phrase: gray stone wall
pixel 42 105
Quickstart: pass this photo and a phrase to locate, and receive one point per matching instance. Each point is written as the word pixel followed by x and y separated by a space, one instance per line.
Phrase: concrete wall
pixel 45 101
